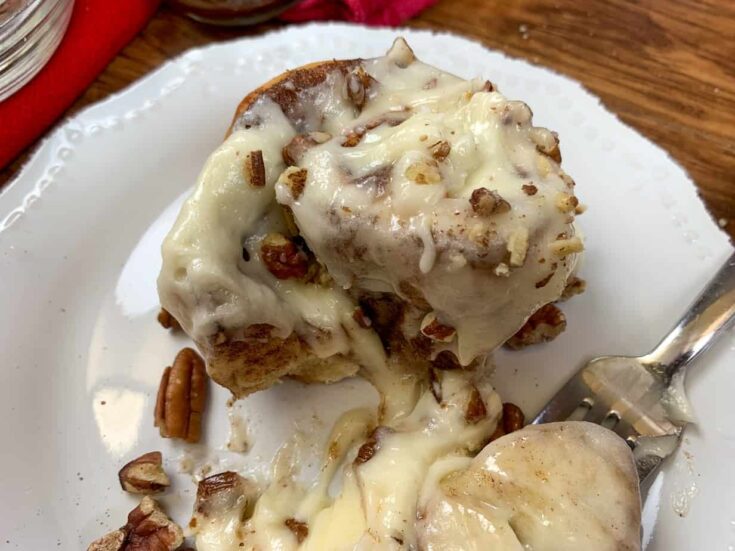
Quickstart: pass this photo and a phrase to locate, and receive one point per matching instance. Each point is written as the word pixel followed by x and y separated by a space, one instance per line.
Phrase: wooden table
pixel 666 67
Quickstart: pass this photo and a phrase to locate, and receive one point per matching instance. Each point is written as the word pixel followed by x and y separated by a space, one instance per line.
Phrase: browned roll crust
pixel 258 359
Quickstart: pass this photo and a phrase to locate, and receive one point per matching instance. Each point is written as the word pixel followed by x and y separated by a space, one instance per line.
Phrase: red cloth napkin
pixel 369 12
pixel 98 29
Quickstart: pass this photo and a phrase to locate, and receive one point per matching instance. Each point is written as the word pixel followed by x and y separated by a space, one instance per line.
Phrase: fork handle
pixel 704 321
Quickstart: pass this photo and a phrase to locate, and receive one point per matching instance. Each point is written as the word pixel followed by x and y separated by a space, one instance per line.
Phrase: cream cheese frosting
pixel 419 183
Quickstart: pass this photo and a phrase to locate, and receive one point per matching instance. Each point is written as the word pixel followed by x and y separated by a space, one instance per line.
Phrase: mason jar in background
pixel 231 12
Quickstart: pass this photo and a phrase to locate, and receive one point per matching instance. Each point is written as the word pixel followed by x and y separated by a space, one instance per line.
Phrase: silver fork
pixel 641 398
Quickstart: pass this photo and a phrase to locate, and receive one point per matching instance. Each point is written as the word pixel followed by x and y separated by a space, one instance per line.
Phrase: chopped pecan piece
pixel 567 180
pixel 221 492
pixel 295 180
pixel 546 324
pixel 352 138
pixel 144 475
pixel 282 257
pixel 358 84
pixel 148 529
pixel 553 152
pixel 401 53
pixel 476 410
pixel 486 202
pixel 529 189
pixel 167 321
pixel 575 286
pixel 518 246
pixel 298 528
pixel 181 397
pixel 255 168
pixel 440 150
pixel 114 541
pixel 432 328
pixel 566 202
pixel 371 445
pixel 565 247
pixel 511 420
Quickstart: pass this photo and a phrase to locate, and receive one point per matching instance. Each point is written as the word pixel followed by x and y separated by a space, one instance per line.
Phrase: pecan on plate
pixel 144 475
pixel 181 397
pixel 148 529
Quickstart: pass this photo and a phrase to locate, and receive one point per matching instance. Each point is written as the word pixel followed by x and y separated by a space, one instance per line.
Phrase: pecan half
pixel 546 324
pixel 167 321
pixel 148 529
pixel 298 528
pixel 181 397
pixel 255 168
pixel 476 410
pixel 282 257
pixel 144 475
pixel 486 202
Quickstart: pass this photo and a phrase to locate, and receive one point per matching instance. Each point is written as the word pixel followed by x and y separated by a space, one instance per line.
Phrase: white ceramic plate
pixel 82 353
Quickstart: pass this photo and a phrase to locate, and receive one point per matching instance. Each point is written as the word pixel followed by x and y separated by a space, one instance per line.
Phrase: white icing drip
pixel 428 256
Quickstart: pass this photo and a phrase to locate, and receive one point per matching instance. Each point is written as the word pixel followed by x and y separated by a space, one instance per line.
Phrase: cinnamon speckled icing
pixel 396 210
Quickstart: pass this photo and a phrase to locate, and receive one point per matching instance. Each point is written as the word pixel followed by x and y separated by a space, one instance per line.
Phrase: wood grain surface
pixel 666 67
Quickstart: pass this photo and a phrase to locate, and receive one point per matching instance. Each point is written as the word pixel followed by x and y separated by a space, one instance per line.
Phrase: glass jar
pixel 231 12
pixel 30 31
